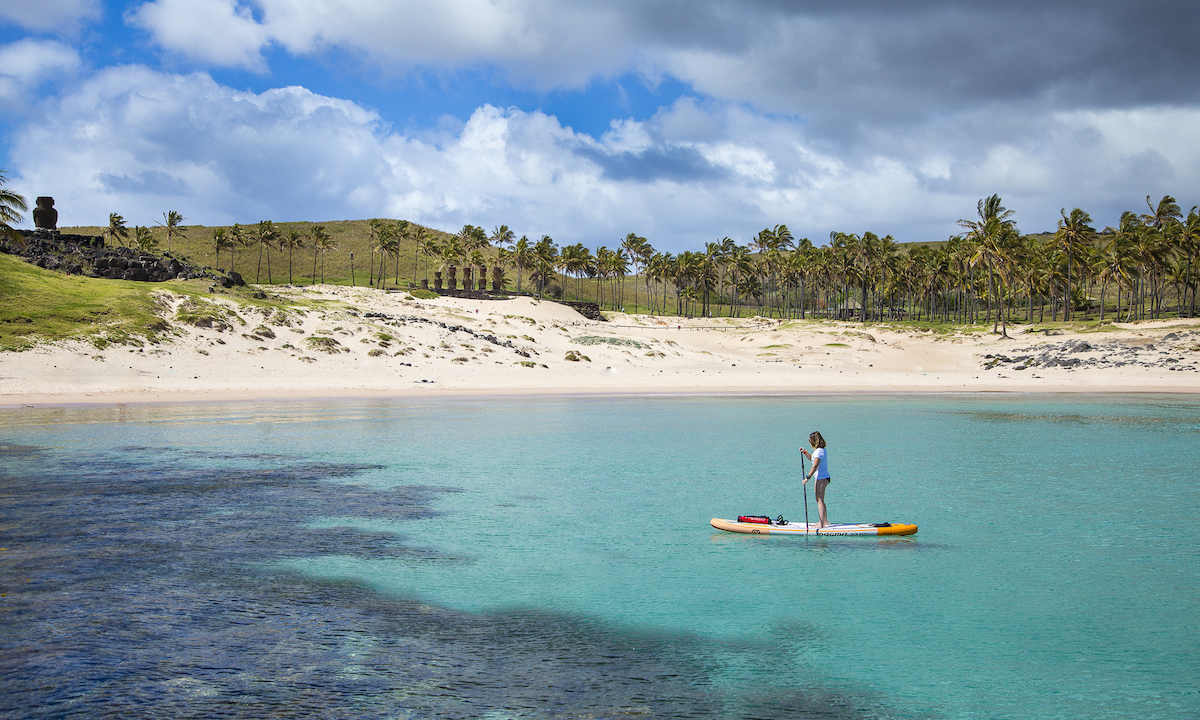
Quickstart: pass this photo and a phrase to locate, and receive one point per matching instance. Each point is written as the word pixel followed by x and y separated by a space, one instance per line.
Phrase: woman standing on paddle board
pixel 820 468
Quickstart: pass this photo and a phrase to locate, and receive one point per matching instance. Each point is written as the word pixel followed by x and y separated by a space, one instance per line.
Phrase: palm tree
pixel 1163 214
pixel 378 228
pixel 741 266
pixel 400 231
pixel 1075 234
pixel 709 273
pixel 450 251
pixel 239 238
pixel 173 222
pixel 603 272
pixel 426 245
pixel 575 259
pixel 993 233
pixel 387 243
pixel 523 257
pixel 473 238
pixel 236 239
pixel 11 207
pixel 546 259
pixel 266 235
pixel 502 236
pixel 1112 270
pixel 291 240
pixel 638 249
pixel 116 230
pixel 321 244
pixel 618 266
pixel 1190 245
pixel 144 239
pixel 221 242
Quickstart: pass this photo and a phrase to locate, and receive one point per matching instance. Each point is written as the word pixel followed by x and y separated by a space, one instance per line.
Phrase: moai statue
pixel 466 277
pixel 437 280
pixel 453 280
pixel 45 217
pixel 496 279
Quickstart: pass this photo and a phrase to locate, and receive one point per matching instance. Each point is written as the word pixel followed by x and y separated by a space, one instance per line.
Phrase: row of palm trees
pixel 267 237
pixel 143 239
pixel 988 270
pixel 988 273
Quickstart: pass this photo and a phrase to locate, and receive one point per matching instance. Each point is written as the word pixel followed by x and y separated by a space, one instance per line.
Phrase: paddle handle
pixel 804 487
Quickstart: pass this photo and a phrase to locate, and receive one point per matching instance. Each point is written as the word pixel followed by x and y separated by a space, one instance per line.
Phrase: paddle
pixel 804 487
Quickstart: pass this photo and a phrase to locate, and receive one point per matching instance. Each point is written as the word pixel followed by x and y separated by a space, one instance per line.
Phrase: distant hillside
pixel 349 236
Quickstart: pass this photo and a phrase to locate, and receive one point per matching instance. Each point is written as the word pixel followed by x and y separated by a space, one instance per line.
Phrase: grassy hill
pixel 38 305
pixel 349 236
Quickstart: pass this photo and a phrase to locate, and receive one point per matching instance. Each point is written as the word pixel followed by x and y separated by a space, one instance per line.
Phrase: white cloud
pixel 543 43
pixel 140 142
pixel 842 64
pixel 222 33
pixel 63 16
pixel 26 64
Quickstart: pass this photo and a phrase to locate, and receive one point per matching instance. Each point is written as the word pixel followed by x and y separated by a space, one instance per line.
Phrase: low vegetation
pixel 39 305
pixel 617 341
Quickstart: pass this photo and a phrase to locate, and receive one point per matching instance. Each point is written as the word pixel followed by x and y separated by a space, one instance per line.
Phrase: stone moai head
pixel 45 217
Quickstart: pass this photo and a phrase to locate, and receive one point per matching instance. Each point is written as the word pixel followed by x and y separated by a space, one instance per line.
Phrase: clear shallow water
pixel 552 558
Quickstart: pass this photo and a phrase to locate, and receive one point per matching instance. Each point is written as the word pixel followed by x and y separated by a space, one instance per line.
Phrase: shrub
pixel 619 342
pixel 324 344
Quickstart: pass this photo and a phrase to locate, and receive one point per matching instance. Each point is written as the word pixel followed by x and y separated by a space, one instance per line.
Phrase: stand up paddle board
pixel 754 525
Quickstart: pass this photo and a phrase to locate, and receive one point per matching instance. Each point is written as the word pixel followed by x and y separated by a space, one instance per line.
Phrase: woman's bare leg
pixel 819 491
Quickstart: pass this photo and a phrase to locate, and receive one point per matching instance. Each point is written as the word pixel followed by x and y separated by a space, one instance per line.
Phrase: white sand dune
pixel 391 345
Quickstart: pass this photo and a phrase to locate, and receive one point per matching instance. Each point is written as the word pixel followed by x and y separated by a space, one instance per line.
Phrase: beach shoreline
pixel 334 342
pixel 130 398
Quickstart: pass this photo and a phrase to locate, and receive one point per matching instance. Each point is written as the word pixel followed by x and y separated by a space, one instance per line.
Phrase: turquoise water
pixel 563 547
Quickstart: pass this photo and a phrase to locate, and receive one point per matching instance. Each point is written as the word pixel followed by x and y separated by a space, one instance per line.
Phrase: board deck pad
pixel 802 528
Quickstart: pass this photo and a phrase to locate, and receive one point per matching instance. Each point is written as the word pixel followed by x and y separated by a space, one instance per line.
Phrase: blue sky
pixel 681 121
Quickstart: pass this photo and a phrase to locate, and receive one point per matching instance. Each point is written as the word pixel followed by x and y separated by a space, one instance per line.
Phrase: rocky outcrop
pixel 589 310
pixel 1174 351
pixel 88 255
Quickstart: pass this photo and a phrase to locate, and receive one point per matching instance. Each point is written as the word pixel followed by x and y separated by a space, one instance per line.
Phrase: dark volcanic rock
pixel 88 255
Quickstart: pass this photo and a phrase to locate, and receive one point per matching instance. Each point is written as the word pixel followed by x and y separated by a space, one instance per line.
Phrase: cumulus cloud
pixel 221 33
pixel 140 142
pixel 132 140
pixel 62 16
pixel 863 61
pixel 27 64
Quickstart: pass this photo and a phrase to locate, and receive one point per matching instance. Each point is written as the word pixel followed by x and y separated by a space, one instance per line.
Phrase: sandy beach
pixel 335 341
